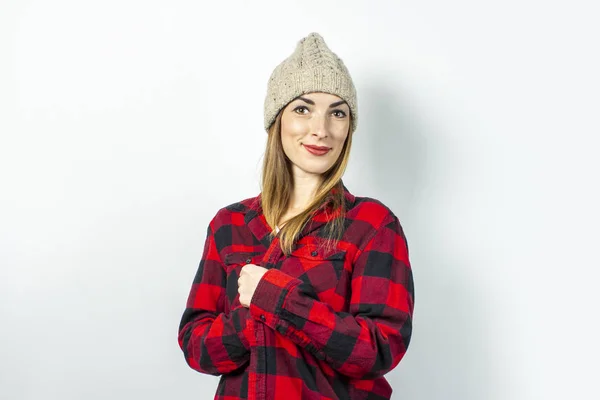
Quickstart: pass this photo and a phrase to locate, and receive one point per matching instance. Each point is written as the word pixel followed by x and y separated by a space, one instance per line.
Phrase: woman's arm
pixel 212 342
pixel 372 338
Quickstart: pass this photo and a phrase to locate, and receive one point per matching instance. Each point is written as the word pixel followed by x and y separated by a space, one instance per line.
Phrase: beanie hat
pixel 312 67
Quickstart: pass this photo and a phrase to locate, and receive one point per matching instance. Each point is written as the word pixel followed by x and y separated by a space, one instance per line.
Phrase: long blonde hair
pixel 277 185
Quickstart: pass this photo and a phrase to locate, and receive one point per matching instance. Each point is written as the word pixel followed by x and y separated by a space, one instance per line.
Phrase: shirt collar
pixel 256 222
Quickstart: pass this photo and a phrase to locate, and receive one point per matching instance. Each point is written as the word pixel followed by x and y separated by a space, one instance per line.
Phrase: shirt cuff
pixel 239 315
pixel 270 295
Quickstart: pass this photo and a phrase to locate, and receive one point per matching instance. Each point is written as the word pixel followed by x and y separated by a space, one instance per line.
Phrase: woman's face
pixel 314 119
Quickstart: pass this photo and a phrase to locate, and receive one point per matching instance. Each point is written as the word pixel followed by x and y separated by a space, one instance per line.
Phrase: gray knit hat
pixel 312 67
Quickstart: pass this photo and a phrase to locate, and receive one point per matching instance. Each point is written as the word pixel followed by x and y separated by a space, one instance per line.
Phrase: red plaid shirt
pixel 321 324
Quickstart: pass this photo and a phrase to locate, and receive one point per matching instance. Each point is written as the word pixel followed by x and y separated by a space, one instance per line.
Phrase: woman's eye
pixel 342 114
pixel 299 108
pixel 338 113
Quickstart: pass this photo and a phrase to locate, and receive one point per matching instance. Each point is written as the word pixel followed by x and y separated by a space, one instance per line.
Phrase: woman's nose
pixel 319 126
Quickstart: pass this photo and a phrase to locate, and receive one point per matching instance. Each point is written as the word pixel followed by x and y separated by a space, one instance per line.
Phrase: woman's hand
pixel 250 275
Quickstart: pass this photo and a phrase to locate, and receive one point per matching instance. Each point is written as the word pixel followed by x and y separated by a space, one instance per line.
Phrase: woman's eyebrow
pixel 309 101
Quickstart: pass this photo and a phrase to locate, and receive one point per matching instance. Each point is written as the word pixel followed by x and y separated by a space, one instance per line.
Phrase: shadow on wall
pixel 449 354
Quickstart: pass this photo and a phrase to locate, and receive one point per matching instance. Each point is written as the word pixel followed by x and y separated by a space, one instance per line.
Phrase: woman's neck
pixel 303 193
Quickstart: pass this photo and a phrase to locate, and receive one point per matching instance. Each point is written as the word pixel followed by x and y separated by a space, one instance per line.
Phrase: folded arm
pixel 212 342
pixel 369 340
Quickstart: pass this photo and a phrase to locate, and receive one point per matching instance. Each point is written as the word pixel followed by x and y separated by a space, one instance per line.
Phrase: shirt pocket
pixel 234 262
pixel 323 271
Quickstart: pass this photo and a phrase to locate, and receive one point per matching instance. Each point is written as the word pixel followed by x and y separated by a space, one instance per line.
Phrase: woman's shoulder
pixel 368 217
pixel 370 210
pixel 239 209
pixel 243 206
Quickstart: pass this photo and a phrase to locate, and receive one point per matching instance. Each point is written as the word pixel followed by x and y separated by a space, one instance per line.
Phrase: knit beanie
pixel 312 67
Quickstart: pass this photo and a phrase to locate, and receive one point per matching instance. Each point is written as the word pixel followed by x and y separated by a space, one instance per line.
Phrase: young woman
pixel 304 291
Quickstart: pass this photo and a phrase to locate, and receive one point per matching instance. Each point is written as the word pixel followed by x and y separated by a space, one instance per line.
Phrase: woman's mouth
pixel 317 150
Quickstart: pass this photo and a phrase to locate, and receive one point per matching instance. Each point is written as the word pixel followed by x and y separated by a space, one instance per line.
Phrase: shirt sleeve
pixel 370 339
pixel 212 341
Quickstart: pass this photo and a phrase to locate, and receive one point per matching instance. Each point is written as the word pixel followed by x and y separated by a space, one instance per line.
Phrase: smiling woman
pixel 313 132
pixel 304 291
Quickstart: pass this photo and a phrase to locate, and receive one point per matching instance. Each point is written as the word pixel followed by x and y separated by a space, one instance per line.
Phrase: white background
pixel 125 126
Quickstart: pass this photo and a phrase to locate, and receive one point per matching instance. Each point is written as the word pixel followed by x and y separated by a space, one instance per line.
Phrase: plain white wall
pixel 125 125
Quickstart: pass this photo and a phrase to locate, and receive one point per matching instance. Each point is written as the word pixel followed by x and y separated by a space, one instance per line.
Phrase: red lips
pixel 317 150
pixel 317 147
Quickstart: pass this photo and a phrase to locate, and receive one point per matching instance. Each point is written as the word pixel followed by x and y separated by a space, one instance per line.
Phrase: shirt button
pixel 314 253
pixel 262 317
pixel 248 260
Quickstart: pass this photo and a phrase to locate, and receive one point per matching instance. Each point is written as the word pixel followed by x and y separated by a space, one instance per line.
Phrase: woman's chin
pixel 320 170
